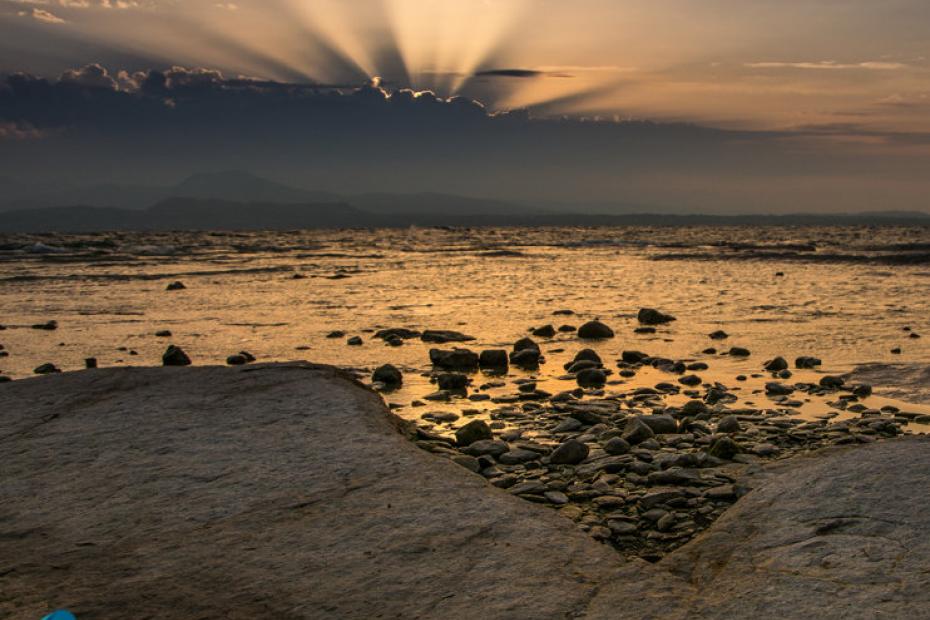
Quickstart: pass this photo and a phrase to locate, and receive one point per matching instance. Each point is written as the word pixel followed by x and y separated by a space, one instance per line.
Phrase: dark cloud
pixel 93 124
pixel 510 73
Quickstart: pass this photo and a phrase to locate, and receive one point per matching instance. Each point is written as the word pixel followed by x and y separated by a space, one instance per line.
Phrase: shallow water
pixel 844 295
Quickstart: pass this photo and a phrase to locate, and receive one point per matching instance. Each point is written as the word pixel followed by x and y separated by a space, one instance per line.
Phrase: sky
pixel 717 105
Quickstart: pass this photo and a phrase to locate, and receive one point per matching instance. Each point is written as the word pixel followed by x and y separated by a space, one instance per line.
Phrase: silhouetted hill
pixel 245 187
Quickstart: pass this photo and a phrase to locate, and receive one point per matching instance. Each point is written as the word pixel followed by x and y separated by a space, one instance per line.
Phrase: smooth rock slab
pixel 287 491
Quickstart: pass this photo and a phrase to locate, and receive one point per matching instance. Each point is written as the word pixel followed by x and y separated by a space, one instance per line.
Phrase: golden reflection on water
pixel 111 304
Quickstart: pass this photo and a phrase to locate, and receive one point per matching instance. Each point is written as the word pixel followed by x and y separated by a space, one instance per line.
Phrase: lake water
pixel 846 295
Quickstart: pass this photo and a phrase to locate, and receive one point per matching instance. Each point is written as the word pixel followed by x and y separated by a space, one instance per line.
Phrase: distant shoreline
pixel 218 215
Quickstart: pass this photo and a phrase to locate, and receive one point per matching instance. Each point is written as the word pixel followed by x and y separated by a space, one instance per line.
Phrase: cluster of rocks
pixel 645 468
pixel 628 467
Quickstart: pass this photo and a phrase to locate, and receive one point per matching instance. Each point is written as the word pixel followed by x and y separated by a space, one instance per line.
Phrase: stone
pixel 776 365
pixel 46 369
pixel 175 286
pixel 591 377
pixel 807 362
pixel 719 335
pixel 518 456
pixel 236 360
pixel 495 359
pixel 636 431
pixel 660 424
pixel 651 316
pixel 456 359
pixel 525 344
pixel 556 497
pixel 595 330
pixel 476 430
pixel 571 452
pixel 441 336
pixel 163 333
pixel 778 389
pixel 526 358
pixel 452 381
pixel 724 448
pixel 336 334
pixel 175 356
pixel 90 363
pixel 48 326
pixel 694 407
pixel 739 352
pixel 401 333
pixel 355 341
pixel 729 424
pixel 832 382
pixel 468 462
pixel 388 375
pixel 690 380
pixel 585 355
pixel 490 447
pixel 634 357
pixel 546 331
pixel 616 446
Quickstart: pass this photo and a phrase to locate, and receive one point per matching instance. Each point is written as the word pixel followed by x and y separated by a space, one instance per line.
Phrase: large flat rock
pixel 286 491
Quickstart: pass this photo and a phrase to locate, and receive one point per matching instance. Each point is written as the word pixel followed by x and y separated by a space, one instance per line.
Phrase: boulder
pixel 595 330
pixel 175 356
pixel 571 452
pixel 651 316
pixel 476 430
pixel 464 359
pixel 388 375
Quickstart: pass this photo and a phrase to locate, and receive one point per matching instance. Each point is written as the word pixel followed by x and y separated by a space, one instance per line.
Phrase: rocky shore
pixel 290 491
pixel 645 467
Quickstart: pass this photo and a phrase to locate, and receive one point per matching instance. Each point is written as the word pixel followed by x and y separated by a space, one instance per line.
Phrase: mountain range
pixel 240 200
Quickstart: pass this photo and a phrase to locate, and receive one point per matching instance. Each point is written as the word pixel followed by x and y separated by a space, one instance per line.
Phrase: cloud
pixel 510 73
pixel 42 15
pixel 828 65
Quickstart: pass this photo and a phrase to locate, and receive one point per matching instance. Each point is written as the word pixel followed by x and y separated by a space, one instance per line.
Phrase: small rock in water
pixel 778 389
pixel 634 357
pixel 832 382
pixel 48 326
pixel 494 359
pixel 806 362
pixel 236 360
pixel 442 336
pixel 595 330
pixel 739 352
pixel 355 341
pixel 46 369
pixel 388 375
pixel 896 351
pixel 164 333
pixel 660 424
pixel 452 381
pixel 690 380
pixel 719 335
pixel 527 359
pixel 567 329
pixel 336 334
pixel 455 359
pixel 776 365
pixel 175 356
pixel 591 377
pixel 90 363
pixel 525 344
pixel 476 430
pixel 546 331
pixel 651 316
pixel 571 452
pixel 175 286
